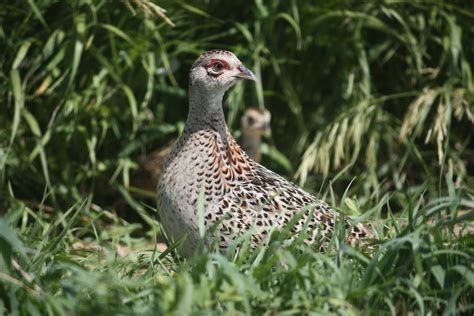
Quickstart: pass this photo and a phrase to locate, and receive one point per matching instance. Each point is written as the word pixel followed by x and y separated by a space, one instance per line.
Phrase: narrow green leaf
pixel 195 10
pixel 78 47
pixel 439 274
pixel 32 123
pixel 21 54
pixel 294 25
pixel 277 156
pixel 466 273
pixel 35 129
pixel 12 242
pixel 19 100
pixel 37 12
pixel 118 32
pixel 131 100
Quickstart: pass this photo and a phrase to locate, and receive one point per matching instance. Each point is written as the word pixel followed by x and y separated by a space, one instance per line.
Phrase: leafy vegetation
pixel 371 107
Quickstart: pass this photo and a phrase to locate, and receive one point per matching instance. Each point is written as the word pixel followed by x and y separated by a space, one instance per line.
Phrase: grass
pixel 91 261
pixel 371 105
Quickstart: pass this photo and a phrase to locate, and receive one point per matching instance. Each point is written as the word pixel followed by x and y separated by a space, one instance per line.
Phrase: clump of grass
pixel 422 101
pixel 88 261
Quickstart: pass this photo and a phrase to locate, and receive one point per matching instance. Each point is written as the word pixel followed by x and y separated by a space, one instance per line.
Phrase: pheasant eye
pixel 218 66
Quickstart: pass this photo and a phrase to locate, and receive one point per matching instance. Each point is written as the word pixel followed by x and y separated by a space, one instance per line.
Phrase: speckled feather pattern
pixel 239 193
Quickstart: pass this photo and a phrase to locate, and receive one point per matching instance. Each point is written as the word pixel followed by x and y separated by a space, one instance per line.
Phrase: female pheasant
pixel 239 194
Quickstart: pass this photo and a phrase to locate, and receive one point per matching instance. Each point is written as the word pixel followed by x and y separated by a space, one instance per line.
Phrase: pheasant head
pixel 212 74
pixel 255 122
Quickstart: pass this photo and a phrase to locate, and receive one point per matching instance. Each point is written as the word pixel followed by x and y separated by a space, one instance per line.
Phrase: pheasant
pixel 239 195
pixel 254 124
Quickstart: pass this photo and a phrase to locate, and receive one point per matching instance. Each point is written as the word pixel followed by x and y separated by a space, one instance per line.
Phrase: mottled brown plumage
pixel 254 124
pixel 239 194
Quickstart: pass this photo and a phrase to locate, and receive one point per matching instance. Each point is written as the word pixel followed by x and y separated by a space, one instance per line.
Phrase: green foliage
pixel 379 91
pixel 410 77
pixel 91 261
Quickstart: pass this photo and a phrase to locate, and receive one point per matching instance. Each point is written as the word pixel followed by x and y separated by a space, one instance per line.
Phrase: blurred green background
pixel 372 107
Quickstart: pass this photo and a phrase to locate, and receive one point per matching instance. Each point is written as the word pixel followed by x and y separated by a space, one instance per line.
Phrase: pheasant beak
pixel 245 73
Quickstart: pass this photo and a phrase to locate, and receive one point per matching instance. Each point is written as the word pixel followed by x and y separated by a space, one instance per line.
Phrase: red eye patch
pixel 218 64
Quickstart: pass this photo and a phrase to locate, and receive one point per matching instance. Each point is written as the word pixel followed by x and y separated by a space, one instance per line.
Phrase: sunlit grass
pixel 90 261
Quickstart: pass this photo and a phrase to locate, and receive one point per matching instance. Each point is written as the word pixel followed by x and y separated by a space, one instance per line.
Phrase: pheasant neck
pixel 205 112
pixel 251 141
pixel 251 145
